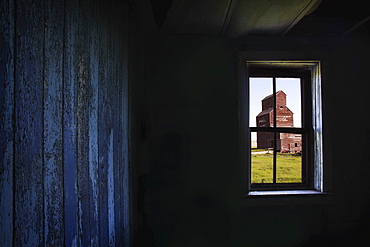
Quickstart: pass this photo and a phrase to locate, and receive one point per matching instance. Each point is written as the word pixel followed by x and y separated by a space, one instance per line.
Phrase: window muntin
pixel 305 144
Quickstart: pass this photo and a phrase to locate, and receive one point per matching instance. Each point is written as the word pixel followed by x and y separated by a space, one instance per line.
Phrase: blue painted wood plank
pixel 53 105
pixel 125 174
pixel 6 121
pixel 70 124
pixel 102 122
pixel 28 194
pixel 115 195
pixel 118 165
pixel 93 125
pixel 111 189
pixel 104 127
pixel 83 181
pixel 114 187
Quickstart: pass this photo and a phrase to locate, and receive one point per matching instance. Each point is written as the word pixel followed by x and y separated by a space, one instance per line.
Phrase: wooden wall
pixel 64 100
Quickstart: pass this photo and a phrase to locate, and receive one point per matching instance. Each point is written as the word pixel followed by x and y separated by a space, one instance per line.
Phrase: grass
pixel 288 168
pixel 258 150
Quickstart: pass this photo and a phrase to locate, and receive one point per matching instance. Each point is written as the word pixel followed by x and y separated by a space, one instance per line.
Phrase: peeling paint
pixel 61 81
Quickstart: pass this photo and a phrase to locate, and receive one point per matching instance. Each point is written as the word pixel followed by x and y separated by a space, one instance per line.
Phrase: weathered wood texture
pixel 64 157
pixel 6 121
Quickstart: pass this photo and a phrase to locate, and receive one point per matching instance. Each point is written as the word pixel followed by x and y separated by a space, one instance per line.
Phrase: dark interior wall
pixel 349 214
pixel 193 184
pixel 188 101
pixel 64 123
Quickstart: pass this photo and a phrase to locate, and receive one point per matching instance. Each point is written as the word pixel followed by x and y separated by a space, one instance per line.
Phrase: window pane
pixel 259 88
pixel 262 160
pixel 288 102
pixel 289 159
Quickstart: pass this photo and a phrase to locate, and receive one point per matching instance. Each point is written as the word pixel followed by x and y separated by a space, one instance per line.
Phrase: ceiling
pixel 239 18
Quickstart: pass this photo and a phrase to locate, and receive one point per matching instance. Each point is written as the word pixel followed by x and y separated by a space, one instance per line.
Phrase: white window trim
pixel 317 128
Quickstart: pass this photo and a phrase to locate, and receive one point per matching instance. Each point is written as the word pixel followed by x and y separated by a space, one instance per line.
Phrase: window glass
pixel 276 157
pixel 262 164
pixel 259 88
pixel 288 102
pixel 289 159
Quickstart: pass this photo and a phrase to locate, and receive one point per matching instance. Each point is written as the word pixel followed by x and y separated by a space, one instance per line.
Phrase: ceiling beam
pixel 357 25
pixel 228 16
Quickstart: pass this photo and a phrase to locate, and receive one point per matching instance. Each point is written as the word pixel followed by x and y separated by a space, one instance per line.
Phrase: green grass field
pixel 288 168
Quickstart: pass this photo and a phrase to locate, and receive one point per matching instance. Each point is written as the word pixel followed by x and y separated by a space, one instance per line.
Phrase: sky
pixel 261 87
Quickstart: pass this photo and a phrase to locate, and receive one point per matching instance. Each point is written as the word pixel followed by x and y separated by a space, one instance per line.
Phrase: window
pixel 285 126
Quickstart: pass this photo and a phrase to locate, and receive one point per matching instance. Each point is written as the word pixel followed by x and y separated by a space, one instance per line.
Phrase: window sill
pixel 287 197
pixel 285 192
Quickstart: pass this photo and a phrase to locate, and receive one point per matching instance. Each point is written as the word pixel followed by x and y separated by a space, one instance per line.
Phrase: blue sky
pixel 261 87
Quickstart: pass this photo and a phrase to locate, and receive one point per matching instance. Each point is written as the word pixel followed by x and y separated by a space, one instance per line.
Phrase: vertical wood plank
pixel 53 167
pixel 103 158
pixel 28 194
pixel 113 164
pixel 115 185
pixel 111 188
pixel 70 123
pixel 102 122
pixel 93 125
pixel 124 181
pixel 114 167
pixel 6 121
pixel 83 183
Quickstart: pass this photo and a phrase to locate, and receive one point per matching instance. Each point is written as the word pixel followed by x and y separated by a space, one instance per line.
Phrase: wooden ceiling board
pixel 196 17
pixel 267 17
pixel 231 18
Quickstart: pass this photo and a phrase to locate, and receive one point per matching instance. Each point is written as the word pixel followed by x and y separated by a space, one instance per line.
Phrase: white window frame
pixel 244 141
pixel 315 163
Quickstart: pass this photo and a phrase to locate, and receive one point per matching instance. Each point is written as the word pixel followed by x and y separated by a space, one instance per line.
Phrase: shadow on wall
pixel 171 214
